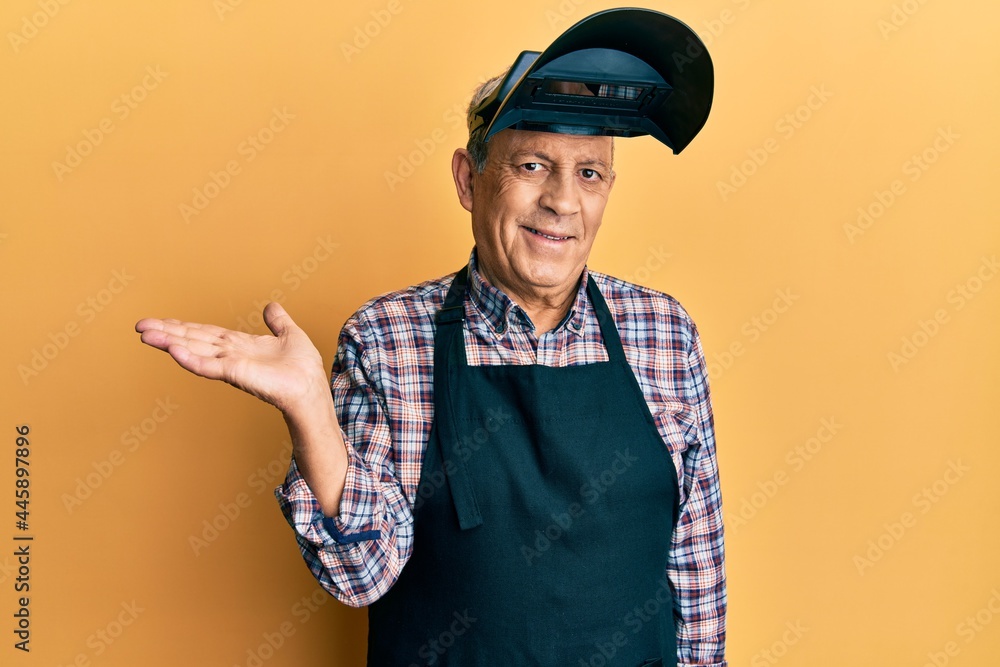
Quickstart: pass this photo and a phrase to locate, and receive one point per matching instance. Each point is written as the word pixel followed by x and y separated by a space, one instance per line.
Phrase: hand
pixel 283 369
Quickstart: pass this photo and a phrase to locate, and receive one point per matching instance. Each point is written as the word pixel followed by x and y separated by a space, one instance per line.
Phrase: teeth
pixel 554 238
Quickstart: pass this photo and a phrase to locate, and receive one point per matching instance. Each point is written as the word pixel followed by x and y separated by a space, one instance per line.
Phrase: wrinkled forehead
pixel 554 146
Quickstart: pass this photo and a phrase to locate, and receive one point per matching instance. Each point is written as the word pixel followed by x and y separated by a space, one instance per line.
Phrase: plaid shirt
pixel 382 384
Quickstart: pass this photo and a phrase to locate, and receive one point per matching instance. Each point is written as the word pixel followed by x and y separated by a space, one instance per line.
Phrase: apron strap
pixel 449 354
pixel 453 309
pixel 616 353
pixel 612 341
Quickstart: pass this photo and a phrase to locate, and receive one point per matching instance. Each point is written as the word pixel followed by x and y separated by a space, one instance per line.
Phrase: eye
pixel 590 174
pixel 531 166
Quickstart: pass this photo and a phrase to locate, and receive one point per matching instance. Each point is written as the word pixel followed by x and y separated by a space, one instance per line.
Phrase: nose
pixel 560 194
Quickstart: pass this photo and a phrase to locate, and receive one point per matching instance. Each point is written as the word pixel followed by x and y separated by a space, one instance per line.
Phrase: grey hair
pixel 477 145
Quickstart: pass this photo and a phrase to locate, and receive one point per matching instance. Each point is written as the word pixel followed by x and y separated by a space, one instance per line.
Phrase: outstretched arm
pixel 284 369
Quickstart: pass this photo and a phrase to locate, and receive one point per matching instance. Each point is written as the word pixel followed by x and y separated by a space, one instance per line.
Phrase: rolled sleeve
pixel 358 554
pixel 303 513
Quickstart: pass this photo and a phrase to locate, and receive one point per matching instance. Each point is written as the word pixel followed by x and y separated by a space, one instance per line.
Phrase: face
pixel 536 209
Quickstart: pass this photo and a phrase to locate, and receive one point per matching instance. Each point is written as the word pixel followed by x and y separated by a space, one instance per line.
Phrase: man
pixel 516 464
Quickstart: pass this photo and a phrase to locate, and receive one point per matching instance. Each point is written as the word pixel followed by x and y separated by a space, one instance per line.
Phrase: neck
pixel 546 308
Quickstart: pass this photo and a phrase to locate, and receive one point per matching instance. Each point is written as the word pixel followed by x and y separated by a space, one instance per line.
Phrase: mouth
pixel 551 237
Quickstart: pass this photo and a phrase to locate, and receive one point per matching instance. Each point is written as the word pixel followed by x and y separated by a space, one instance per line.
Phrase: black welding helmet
pixel 620 72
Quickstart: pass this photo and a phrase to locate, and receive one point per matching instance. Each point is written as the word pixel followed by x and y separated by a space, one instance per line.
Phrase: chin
pixel 549 275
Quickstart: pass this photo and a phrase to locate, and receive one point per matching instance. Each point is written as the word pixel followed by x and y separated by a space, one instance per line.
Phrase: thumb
pixel 277 319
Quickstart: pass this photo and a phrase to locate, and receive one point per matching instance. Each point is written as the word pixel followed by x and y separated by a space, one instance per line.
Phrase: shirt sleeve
pixel 696 564
pixel 357 555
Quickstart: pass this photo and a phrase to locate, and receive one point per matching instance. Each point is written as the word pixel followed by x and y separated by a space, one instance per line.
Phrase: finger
pixel 154 338
pixel 277 318
pixel 208 333
pixel 159 323
pixel 147 323
pixel 204 366
pixel 163 340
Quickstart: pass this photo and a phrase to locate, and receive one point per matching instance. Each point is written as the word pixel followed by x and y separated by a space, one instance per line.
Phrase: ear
pixel 463 172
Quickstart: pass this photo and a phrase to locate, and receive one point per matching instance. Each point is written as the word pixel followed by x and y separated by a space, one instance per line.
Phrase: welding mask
pixel 621 73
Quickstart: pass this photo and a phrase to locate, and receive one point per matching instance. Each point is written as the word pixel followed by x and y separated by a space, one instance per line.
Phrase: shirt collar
pixel 500 312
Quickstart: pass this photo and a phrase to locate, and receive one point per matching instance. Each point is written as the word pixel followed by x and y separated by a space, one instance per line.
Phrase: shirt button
pixel 500 328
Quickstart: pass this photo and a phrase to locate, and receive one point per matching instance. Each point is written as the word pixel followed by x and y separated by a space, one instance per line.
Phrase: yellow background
pixel 893 78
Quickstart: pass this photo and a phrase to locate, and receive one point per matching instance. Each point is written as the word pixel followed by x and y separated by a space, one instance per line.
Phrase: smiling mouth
pixel 548 236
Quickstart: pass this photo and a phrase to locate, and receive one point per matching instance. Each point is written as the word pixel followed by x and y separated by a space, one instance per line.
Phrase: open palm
pixel 279 369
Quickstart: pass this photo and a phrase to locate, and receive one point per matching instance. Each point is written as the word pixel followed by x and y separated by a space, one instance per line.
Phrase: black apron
pixel 543 519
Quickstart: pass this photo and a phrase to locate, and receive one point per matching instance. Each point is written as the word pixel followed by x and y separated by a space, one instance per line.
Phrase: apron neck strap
pixel 612 341
pixel 453 312
pixel 453 309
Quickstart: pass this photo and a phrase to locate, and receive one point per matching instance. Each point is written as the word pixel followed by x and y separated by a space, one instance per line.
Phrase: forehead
pixel 558 147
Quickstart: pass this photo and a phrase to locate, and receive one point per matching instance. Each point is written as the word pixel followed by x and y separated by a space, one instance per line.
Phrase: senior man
pixel 516 464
